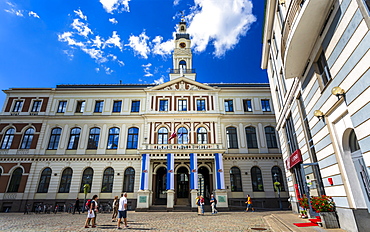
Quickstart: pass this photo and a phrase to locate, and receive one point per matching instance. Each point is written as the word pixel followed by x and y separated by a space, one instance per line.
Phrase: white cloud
pixel 97 42
pixel 160 48
pixel 113 20
pixel 221 23
pixel 159 81
pixel 67 37
pixel 95 54
pixel 33 14
pixel 140 44
pixel 176 2
pixel 115 5
pixel 80 14
pixel 15 12
pixel 147 70
pixel 81 27
pixel 115 40
pixel 108 70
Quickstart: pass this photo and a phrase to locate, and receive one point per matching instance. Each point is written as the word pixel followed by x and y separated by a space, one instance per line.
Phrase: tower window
pixel 163 105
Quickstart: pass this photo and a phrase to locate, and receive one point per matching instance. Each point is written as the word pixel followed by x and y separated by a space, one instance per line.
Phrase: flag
pixel 179 136
pixel 172 136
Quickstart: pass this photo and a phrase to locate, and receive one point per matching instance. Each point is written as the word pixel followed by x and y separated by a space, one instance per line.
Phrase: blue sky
pixel 44 43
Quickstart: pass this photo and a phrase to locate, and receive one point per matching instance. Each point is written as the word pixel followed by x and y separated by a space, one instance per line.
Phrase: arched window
pixel 353 143
pixel 129 180
pixel 182 66
pixel 251 137
pixel 27 138
pixel 108 178
pixel 113 138
pixel 132 139
pixel 74 138
pixel 236 180
pixel 54 138
pixel 93 138
pixel 15 180
pixel 65 181
pixel 87 178
pixel 270 137
pixel 163 135
pixel 44 181
pixel 202 135
pixel 8 139
pixel 277 176
pixel 232 137
pixel 257 182
pixel 182 135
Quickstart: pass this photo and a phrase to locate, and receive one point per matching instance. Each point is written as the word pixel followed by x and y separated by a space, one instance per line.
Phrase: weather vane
pixel 182 16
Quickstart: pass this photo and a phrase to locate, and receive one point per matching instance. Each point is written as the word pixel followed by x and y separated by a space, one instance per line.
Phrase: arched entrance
pixel 160 186
pixel 204 183
pixel 182 179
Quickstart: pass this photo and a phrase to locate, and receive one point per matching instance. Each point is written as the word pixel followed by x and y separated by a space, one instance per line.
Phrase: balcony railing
pixel 293 11
pixel 184 71
pixel 183 146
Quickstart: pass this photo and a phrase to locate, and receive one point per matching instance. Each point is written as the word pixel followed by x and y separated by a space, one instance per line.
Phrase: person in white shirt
pixel 122 211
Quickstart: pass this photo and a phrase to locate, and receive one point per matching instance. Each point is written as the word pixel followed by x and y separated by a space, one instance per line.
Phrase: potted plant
pixel 303 203
pixel 325 206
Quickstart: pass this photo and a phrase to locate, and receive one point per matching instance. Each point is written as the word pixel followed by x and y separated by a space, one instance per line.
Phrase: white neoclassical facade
pixel 163 144
pixel 317 56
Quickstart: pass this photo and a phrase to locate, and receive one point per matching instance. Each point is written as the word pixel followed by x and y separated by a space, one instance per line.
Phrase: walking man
pixel 248 203
pixel 213 204
pixel 122 211
pixel 77 206
pixel 115 208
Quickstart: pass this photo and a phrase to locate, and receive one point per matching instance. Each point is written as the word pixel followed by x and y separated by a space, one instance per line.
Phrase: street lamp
pixel 277 186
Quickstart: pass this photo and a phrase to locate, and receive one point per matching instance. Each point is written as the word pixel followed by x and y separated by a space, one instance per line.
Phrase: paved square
pixel 138 221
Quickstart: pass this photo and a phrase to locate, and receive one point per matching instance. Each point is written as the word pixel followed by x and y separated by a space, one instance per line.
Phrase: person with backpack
pixel 201 203
pixel 248 203
pixel 197 202
pixel 115 208
pixel 213 202
pixel 91 212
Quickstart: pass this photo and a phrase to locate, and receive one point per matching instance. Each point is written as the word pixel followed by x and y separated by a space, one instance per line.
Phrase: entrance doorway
pixel 204 184
pixel 160 189
pixel 182 183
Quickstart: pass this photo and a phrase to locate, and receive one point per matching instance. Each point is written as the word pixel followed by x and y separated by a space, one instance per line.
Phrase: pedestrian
pixel 77 206
pixel 122 211
pixel 197 202
pixel 115 208
pixel 201 201
pixel 213 204
pixel 248 203
pixel 91 213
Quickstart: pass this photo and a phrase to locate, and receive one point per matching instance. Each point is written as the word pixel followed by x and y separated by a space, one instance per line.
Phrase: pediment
pixel 182 84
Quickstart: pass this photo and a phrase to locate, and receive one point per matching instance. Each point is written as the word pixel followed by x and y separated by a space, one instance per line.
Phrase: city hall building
pixel 163 144
pixel 316 53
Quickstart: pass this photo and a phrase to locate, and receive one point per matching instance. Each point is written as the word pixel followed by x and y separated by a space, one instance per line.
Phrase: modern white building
pixel 317 56
pixel 163 144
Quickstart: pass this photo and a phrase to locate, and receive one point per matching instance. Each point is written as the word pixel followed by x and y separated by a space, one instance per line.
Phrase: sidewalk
pixel 283 222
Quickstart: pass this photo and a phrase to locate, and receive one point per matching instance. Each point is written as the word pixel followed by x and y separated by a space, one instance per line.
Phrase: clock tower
pixel 182 56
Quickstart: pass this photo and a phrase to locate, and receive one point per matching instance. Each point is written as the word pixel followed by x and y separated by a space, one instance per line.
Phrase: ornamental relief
pixel 182 86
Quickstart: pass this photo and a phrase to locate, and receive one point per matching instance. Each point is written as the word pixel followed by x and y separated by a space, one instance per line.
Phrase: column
pixel 193 178
pixel 170 180
pixel 220 191
pixel 144 192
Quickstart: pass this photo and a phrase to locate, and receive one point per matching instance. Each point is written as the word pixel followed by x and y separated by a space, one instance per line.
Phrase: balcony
pixel 182 71
pixel 304 22
pixel 182 148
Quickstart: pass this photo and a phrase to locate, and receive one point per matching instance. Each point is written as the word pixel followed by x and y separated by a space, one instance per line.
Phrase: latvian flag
pixel 172 136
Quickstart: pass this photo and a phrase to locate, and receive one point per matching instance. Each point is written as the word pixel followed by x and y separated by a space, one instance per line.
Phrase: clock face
pixel 182 45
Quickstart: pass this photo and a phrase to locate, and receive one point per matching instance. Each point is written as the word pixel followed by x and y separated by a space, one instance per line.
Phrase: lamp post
pixel 277 186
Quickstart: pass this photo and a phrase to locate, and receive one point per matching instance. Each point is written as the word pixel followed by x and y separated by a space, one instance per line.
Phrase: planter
pixel 329 220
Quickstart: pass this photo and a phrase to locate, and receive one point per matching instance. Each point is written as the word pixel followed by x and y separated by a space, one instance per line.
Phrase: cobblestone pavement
pixel 138 221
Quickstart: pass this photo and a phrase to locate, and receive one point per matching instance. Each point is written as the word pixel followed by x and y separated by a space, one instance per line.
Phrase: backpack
pixel 197 201
pixel 87 205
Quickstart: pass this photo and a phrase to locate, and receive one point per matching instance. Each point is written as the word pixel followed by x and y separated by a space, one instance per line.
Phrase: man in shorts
pixel 248 203
pixel 122 211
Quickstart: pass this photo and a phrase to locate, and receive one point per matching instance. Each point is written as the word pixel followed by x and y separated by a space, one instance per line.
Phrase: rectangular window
pixel 367 3
pixel 201 105
pixel 275 45
pixel 135 106
pixel 182 106
pixel 291 135
pixel 98 106
pixel 17 106
pixel 117 106
pixel 36 106
pixel 229 107
pixel 80 106
pixel 323 69
pixel 265 105
pixel 163 105
pixel 62 107
pixel 247 105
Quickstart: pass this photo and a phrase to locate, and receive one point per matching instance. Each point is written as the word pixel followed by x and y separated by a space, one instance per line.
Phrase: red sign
pixel 293 159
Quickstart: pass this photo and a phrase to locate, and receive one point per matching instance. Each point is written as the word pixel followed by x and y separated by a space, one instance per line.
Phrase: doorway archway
pixel 160 187
pixel 204 183
pixel 182 183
